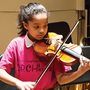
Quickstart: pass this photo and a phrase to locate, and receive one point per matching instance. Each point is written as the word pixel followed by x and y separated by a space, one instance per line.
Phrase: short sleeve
pixel 59 67
pixel 8 58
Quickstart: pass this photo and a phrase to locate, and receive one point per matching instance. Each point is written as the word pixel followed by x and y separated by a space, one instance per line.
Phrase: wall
pixel 60 10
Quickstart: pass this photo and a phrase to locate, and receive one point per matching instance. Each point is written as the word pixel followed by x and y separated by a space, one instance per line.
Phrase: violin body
pixel 48 50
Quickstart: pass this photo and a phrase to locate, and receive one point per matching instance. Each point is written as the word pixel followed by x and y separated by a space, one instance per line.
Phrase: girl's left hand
pixel 84 64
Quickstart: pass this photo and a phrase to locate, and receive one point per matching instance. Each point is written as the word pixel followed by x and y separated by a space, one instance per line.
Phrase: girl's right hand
pixel 25 85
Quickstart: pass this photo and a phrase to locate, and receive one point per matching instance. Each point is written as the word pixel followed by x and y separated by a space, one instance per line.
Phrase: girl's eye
pixel 36 27
pixel 45 26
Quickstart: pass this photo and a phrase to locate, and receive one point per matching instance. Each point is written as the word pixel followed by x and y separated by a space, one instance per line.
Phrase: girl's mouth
pixel 40 36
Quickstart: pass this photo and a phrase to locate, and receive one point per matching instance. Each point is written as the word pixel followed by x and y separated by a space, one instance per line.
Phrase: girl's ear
pixel 25 25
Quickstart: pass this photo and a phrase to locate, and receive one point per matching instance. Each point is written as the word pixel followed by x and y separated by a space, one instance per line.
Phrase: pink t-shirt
pixel 29 66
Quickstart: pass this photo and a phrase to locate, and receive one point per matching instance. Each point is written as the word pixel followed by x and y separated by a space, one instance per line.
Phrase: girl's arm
pixel 71 76
pixel 6 78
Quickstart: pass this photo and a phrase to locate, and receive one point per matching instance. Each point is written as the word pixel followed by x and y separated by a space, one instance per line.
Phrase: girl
pixel 20 55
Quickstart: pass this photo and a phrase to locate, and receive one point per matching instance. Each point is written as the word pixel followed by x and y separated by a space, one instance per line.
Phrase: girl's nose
pixel 41 30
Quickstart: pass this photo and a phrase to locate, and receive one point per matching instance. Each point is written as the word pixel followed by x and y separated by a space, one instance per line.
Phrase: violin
pixel 49 45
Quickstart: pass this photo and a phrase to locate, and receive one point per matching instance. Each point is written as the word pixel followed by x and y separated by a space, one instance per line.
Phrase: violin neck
pixel 73 53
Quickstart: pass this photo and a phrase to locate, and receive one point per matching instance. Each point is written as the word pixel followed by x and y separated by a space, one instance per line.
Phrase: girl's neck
pixel 31 37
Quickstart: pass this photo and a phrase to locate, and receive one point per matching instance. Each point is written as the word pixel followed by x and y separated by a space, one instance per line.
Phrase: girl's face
pixel 37 27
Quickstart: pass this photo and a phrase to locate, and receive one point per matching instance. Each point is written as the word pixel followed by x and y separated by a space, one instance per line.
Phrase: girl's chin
pixel 39 38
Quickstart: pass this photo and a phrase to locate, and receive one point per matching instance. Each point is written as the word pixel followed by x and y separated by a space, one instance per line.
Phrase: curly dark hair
pixel 26 13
